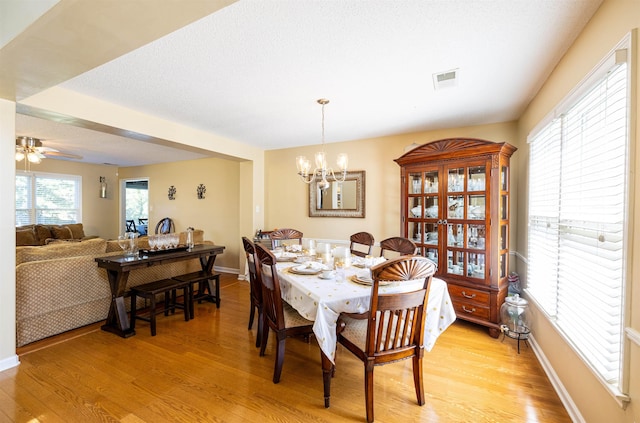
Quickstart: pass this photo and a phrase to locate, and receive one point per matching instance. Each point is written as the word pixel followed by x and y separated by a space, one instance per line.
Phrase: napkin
pixel 294 248
pixel 364 274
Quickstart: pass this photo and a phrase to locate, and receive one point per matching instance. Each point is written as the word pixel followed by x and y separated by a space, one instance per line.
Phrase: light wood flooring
pixel 209 370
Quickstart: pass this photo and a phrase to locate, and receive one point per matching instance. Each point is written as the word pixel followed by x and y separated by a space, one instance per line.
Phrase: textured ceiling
pixel 254 70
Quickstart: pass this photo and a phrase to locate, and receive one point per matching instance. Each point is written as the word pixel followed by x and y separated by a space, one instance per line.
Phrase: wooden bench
pixel 206 290
pixel 151 290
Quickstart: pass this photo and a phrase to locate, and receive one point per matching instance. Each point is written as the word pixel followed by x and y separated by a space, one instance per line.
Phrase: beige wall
pixel 218 213
pixel 610 24
pixel 286 197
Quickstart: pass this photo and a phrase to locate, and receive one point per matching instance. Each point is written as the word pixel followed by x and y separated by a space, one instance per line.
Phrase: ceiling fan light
pixel 33 157
pixel 19 156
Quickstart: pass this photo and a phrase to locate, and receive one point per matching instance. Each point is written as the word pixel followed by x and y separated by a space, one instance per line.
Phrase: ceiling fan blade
pixel 45 150
pixel 54 154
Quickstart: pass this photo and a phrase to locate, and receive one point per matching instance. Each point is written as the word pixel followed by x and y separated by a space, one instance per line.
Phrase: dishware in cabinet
pixel 455 207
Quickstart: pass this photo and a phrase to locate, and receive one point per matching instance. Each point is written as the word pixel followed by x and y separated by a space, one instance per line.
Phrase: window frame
pixel 621 53
pixel 33 209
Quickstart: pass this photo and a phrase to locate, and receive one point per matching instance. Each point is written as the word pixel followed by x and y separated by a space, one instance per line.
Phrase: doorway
pixel 135 205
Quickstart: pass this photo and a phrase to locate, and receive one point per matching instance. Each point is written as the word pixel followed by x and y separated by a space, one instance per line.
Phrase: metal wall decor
pixel 172 193
pixel 103 187
pixel 201 190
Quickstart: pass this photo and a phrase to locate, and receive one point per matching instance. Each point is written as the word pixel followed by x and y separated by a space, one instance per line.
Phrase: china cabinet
pixel 455 207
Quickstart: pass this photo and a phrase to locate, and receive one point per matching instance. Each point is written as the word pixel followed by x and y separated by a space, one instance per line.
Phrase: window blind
pixel 578 194
pixel 47 199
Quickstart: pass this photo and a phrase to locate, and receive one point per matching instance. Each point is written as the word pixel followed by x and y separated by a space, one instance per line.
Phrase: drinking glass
pixel 123 242
pixel 153 242
pixel 340 272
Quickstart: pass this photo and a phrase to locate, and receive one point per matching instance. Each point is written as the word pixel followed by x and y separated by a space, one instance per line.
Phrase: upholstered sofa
pixel 59 286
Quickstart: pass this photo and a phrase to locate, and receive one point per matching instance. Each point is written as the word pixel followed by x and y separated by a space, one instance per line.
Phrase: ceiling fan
pixel 31 150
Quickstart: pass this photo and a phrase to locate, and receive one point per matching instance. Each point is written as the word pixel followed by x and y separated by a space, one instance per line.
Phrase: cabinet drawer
pixel 464 308
pixel 463 294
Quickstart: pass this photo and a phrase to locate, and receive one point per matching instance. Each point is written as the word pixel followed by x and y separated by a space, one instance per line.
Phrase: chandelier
pixel 28 149
pixel 321 172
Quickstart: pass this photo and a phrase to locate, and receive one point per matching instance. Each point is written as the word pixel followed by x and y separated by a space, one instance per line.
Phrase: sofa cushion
pixel 26 236
pixel 60 250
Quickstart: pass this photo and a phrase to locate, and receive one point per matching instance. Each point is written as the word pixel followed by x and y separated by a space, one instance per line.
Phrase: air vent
pixel 445 79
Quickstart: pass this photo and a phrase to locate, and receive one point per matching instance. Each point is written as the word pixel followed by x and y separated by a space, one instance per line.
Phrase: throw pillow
pixel 42 233
pixel 61 232
pixel 26 236
pixel 77 231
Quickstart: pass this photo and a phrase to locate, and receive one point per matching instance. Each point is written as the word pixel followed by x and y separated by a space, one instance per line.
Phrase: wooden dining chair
pixel 280 235
pixel 255 285
pixel 277 314
pixel 165 226
pixel 360 242
pixel 393 328
pixel 400 245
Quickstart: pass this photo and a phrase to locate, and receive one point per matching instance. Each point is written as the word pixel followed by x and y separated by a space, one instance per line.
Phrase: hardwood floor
pixel 209 370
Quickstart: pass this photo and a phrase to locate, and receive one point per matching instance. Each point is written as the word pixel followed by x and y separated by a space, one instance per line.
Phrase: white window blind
pixel 578 194
pixel 47 199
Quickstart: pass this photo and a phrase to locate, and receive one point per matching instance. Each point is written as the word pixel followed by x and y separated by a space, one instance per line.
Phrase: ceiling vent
pixel 445 79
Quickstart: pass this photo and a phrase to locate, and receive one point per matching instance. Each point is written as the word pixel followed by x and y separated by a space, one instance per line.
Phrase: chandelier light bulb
pixel 343 161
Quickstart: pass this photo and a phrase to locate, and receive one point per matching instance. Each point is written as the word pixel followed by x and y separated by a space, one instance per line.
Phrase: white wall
pixel 8 357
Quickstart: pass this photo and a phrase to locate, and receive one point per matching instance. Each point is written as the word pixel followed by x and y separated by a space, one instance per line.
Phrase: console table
pixel 118 268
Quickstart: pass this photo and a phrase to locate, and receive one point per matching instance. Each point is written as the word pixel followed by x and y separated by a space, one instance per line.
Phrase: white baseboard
pixel 565 398
pixel 9 362
pixel 226 270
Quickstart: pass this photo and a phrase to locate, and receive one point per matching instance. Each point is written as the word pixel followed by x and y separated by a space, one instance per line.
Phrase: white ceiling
pixel 254 70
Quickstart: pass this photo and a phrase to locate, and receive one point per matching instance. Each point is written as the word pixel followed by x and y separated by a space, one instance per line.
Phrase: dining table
pixel 322 301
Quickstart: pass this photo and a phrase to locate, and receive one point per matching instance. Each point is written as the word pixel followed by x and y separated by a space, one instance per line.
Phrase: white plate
pixel 327 278
pixel 304 270
pixel 287 257
pixel 367 281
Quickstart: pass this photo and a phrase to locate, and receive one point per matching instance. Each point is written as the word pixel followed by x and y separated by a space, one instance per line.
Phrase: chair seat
pixel 293 319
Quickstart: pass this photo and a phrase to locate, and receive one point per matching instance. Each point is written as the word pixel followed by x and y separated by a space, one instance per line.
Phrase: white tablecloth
pixel 323 300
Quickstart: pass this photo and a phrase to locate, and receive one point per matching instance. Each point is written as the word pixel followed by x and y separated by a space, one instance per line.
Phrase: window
pixel 578 212
pixel 47 199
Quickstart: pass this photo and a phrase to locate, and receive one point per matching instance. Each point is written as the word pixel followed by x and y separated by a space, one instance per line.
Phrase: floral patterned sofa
pixel 59 286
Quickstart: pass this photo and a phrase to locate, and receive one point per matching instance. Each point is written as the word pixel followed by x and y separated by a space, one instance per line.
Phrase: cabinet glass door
pixel 423 211
pixel 465 214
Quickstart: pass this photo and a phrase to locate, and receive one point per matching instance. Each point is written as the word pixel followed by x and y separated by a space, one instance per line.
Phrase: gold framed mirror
pixel 341 199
